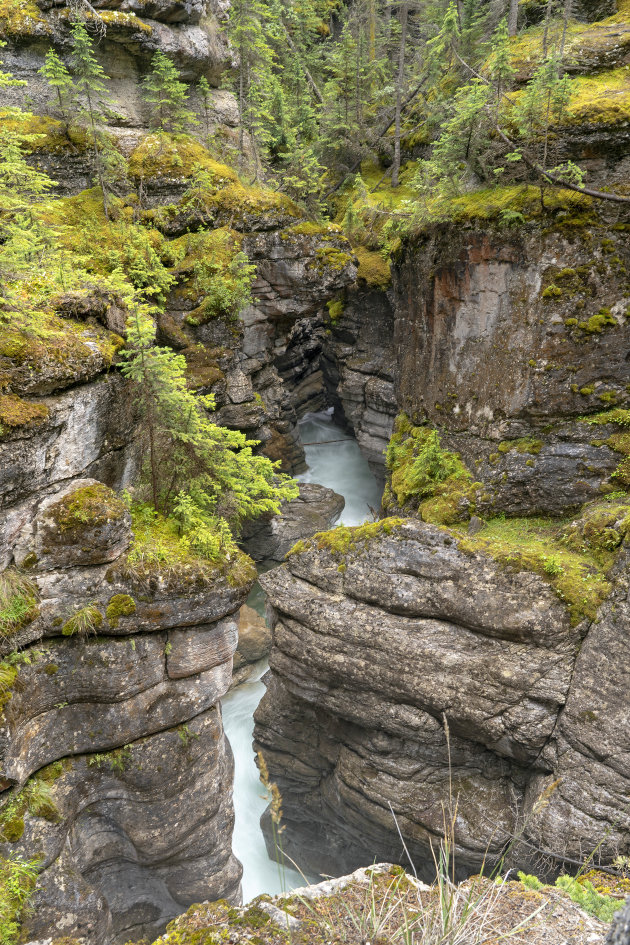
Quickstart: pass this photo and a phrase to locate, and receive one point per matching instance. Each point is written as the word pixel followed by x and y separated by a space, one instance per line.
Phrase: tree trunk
pixel 568 10
pixel 513 17
pixel 545 39
pixel 404 9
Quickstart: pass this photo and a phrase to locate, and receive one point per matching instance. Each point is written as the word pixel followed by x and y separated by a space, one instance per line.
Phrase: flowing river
pixel 340 466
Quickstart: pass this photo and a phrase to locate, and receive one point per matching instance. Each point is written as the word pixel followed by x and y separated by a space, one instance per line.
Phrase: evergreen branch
pixel 531 163
pixel 307 74
pixel 381 133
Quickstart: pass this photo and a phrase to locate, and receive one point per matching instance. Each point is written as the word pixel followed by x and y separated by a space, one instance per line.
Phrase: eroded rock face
pixel 113 759
pixel 503 339
pixel 314 510
pixel 403 670
pixel 360 369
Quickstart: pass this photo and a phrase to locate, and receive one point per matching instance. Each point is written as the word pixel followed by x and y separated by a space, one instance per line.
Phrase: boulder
pixel 314 510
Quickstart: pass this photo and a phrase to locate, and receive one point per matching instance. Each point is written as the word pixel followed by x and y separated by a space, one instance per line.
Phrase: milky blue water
pixel 340 466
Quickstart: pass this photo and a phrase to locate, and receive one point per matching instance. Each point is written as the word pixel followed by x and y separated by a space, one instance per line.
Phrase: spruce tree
pixel 60 80
pixel 90 82
pixel 167 96
pixel 205 475
pixel 203 89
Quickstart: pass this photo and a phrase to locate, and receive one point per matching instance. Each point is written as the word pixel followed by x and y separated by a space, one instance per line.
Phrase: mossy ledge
pixel 425 478
pixel 346 539
pixel 573 555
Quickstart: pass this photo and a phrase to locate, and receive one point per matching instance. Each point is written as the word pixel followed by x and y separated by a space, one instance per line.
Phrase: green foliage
pixel 17 882
pixel 580 891
pixel 220 274
pixel 426 477
pixel 60 81
pixel 205 475
pixel 18 602
pixel 83 622
pixel 167 96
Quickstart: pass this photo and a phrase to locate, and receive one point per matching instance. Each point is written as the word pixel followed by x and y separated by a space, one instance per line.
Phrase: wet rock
pixel 314 510
pixel 109 718
pixel 501 702
pixel 504 343
pixel 254 637
pixel 358 365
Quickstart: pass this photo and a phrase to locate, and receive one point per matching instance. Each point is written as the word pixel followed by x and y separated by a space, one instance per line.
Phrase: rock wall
pixel 411 677
pixel 504 337
pixel 114 765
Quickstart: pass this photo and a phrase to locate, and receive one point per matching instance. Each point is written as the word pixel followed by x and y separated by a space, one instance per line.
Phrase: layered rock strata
pixel 114 766
pixel 410 678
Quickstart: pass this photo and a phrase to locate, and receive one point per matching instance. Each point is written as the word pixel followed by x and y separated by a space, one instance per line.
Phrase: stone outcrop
pixel 314 510
pixel 254 643
pixel 407 670
pixel 395 900
pixel 189 33
pixel 113 760
pixel 359 369
pixel 505 342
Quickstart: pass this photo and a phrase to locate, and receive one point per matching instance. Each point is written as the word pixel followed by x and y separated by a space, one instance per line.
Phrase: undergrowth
pixel 18 602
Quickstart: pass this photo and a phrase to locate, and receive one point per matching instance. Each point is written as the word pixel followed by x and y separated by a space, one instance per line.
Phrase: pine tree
pixel 205 475
pixel 252 25
pixel 167 96
pixel 60 80
pixel 90 82
pixel 203 89
pixel 500 68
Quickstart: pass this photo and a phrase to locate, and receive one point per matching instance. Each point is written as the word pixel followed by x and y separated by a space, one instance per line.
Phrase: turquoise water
pixel 340 466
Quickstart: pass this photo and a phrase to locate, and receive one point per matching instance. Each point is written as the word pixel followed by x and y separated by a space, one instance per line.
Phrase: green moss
pixel 552 292
pixel 619 442
pixel 597 323
pixel 22 18
pixel 345 539
pixel 587 391
pixel 577 575
pixel 522 445
pixel 51 669
pixel 36 343
pixel 17 413
pixel 427 478
pixel 164 155
pixel 87 507
pixel 373 268
pixel 116 18
pixel 603 98
pixel 44 134
pixel 336 309
pixel 12 829
pixel 324 231
pixel 330 258
pixel 120 605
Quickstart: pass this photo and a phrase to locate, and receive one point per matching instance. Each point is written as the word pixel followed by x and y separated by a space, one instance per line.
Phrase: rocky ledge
pixel 412 667
pixel 114 767
pixel 383 900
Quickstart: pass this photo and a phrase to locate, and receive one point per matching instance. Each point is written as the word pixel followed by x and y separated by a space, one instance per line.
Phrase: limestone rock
pixel 254 637
pixel 378 646
pixel 619 932
pixel 314 510
pixel 113 760
pixel 489 350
